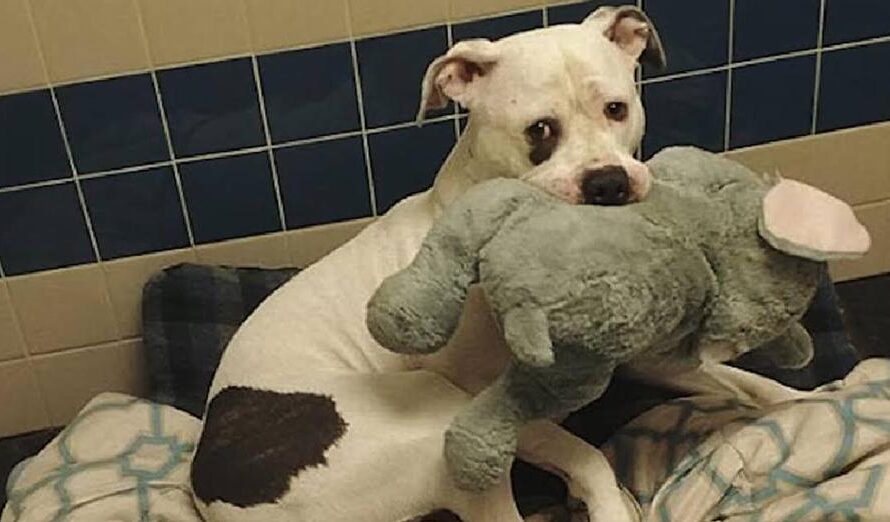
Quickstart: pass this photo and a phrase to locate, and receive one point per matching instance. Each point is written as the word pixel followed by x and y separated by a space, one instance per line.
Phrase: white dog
pixel 310 420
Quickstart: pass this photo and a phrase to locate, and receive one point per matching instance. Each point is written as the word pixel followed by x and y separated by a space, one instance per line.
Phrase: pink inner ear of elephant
pixel 809 218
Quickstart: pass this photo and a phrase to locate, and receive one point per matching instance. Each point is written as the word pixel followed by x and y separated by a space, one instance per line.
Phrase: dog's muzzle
pixel 608 185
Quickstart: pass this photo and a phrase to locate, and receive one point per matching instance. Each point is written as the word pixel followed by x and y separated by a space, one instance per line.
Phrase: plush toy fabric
pixel 715 262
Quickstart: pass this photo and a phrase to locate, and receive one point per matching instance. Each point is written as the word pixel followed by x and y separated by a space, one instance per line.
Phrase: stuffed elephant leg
pixel 481 441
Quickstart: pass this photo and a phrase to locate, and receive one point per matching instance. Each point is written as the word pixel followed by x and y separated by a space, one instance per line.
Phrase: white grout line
pixel 407 124
pixel 268 135
pixel 545 17
pixel 168 140
pixel 2 273
pixel 360 100
pixel 36 184
pixel 221 155
pixel 817 87
pixel 317 139
pixel 127 170
pixel 177 177
pixel 727 129
pixel 77 187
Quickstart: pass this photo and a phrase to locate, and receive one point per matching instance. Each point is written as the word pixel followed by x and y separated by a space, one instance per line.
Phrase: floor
pixel 866 304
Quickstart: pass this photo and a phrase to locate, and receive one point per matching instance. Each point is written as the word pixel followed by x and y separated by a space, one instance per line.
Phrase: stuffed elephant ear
pixel 805 222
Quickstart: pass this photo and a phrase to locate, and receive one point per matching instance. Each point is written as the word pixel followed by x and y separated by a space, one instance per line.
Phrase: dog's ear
pixel 804 221
pixel 632 31
pixel 457 75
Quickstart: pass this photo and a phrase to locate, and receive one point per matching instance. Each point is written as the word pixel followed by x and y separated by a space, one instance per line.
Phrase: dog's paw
pixel 479 459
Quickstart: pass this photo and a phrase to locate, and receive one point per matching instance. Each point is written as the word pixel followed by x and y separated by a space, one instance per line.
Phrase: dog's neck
pixel 461 170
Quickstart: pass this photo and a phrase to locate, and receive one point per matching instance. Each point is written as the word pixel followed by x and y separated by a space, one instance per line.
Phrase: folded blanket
pixel 820 455
pixel 121 459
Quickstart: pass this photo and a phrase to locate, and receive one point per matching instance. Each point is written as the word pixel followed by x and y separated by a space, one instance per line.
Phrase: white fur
pixel 310 335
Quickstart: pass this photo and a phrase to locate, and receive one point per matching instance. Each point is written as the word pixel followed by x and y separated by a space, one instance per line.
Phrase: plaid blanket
pixel 189 313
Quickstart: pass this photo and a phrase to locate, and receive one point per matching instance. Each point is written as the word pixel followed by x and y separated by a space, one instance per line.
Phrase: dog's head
pixel 557 107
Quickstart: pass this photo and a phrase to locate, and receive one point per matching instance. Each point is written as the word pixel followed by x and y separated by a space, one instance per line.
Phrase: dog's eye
pixel 543 136
pixel 540 130
pixel 616 111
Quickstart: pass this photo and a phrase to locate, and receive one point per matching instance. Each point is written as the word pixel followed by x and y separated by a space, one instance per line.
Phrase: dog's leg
pixel 587 473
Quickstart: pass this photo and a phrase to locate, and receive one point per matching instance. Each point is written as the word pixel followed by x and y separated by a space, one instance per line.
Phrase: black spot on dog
pixel 254 441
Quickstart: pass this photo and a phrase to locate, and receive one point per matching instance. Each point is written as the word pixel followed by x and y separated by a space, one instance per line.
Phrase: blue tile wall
pixel 767 27
pixel 113 123
pixel 43 228
pixel 310 92
pixel 850 20
pixel 687 111
pixel 162 153
pixel 323 182
pixel 405 161
pixel 31 146
pixel 855 87
pixel 136 212
pixel 391 68
pixel 772 101
pixel 230 197
pixel 695 36
pixel 212 108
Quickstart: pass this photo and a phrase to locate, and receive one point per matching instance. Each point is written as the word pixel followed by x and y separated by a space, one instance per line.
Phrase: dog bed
pixel 132 457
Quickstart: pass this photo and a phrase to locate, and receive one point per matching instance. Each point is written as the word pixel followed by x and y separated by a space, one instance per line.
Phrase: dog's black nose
pixel 606 186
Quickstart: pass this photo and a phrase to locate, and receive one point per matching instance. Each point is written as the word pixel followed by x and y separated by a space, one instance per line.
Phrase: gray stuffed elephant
pixel 715 262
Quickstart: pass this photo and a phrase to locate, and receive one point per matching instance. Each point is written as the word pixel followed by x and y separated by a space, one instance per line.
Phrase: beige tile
pixel 126 277
pixel 182 31
pixel 308 245
pixel 12 346
pixel 269 251
pixel 461 9
pixel 378 16
pixel 21 406
pixel 70 379
pixel 876 217
pixel 278 24
pixel 89 38
pixel 133 369
pixel 852 164
pixel 19 53
pixel 63 308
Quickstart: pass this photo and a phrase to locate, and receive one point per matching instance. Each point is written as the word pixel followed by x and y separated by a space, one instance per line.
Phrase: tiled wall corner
pixel 19 54
pixel 180 32
pixel 89 38
pixel 126 278
pixel 267 251
pixel 109 367
pixel 280 24
pixel 63 309
pixel 23 407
